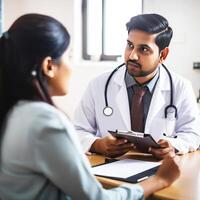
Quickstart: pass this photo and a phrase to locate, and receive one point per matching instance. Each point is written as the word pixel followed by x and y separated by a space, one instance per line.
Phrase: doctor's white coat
pixel 91 123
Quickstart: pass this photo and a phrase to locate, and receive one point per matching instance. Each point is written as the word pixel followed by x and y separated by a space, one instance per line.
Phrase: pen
pixel 110 160
pixel 175 136
pixel 143 178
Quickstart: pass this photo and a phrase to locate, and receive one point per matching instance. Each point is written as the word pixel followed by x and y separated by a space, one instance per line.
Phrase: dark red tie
pixel 137 109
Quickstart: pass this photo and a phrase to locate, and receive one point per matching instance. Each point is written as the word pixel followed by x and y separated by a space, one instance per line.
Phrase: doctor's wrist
pixel 95 146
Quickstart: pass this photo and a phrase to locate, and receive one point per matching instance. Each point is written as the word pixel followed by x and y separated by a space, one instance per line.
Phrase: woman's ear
pixel 163 54
pixel 48 67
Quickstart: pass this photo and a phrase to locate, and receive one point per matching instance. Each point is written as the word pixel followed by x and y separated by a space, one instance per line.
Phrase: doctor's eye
pixel 129 45
pixel 144 49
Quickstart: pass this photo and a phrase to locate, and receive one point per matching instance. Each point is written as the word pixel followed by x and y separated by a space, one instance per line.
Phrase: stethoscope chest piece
pixel 107 111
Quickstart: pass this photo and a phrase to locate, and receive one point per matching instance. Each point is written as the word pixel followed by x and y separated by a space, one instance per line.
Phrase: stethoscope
pixel 170 109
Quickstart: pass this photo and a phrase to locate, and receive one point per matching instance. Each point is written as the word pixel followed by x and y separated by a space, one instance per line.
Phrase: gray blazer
pixel 41 159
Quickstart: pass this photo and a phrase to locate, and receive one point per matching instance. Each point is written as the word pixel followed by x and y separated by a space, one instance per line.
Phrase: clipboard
pixel 142 141
pixel 136 172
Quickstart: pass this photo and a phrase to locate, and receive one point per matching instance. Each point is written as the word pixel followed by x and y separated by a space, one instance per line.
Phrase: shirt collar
pixel 130 81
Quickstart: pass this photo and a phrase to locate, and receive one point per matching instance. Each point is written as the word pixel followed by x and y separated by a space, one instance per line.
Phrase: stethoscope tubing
pixel 107 83
pixel 171 105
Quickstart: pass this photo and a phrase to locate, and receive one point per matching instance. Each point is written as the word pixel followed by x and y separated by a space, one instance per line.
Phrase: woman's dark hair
pixel 152 23
pixel 30 39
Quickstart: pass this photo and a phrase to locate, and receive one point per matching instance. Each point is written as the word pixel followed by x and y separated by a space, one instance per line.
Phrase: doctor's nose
pixel 133 55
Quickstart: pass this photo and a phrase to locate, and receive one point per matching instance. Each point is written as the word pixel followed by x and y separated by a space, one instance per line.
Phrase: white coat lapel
pixel 158 98
pixel 122 98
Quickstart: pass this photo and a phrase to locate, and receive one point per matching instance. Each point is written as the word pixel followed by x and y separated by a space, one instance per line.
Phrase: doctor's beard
pixel 135 69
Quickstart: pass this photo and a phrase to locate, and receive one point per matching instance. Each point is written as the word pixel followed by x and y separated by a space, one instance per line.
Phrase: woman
pixel 37 140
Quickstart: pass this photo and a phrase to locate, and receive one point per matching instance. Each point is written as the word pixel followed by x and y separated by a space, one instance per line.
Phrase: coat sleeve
pixel 85 119
pixel 59 158
pixel 188 121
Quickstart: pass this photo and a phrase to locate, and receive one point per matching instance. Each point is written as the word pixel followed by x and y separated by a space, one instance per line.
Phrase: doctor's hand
pixel 166 150
pixel 111 146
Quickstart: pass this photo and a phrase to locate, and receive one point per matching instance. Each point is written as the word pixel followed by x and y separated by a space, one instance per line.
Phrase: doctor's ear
pixel 48 67
pixel 163 54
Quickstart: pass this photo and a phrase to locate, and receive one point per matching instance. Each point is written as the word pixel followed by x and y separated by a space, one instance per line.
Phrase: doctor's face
pixel 141 55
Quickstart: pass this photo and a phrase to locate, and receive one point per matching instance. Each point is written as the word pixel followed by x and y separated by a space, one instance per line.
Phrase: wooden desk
pixel 186 187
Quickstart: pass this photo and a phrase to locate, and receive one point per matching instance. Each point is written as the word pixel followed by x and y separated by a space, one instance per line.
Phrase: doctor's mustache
pixel 133 62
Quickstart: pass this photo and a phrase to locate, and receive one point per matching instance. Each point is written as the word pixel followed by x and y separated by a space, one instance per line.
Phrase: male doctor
pixel 149 36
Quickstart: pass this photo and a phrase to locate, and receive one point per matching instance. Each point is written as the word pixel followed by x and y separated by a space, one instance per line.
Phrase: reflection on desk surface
pixel 186 187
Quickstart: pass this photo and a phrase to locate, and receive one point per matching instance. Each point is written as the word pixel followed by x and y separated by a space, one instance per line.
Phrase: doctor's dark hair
pixel 29 40
pixel 154 24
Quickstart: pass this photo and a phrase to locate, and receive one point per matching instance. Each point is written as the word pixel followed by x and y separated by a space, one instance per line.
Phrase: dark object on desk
pixel 110 160
pixel 142 141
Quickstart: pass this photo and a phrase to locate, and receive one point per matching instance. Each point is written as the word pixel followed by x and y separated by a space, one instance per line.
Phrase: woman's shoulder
pixel 37 120
pixel 38 113
pixel 36 106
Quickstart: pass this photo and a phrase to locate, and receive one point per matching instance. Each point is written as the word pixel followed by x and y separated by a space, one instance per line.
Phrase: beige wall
pixel 60 9
pixel 183 15
pixel 185 49
pixel 63 10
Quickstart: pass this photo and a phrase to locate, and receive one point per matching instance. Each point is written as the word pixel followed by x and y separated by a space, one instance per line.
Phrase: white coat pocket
pixel 162 125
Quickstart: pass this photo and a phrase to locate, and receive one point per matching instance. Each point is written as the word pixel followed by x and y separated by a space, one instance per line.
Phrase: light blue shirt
pixel 41 159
